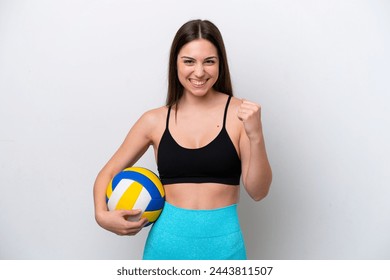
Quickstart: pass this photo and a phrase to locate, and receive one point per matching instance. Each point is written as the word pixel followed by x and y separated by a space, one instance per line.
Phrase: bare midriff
pixel 201 196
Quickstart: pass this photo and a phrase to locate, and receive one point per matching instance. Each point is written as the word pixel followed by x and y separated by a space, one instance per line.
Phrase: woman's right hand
pixel 117 221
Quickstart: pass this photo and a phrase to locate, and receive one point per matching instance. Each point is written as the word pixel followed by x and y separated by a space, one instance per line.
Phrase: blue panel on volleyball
pixel 155 204
pixel 144 181
pixel 118 178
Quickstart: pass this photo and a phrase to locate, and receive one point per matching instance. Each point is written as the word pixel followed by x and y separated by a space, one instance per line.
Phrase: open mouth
pixel 197 83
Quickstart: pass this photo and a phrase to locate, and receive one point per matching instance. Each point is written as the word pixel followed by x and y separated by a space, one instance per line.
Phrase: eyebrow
pixel 188 57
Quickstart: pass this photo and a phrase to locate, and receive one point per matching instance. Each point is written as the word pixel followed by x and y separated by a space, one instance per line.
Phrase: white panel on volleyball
pixel 142 200
pixel 116 195
pixel 141 203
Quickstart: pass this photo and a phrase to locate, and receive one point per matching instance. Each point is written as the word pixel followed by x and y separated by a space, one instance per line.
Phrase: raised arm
pixel 256 170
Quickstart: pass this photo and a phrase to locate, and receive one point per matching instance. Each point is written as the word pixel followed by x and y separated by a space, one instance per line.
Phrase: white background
pixel 76 74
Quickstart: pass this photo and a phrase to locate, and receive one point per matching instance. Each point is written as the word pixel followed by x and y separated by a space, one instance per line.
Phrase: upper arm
pixel 135 144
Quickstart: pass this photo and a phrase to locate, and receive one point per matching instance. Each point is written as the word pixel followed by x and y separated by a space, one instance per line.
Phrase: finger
pixel 145 222
pixel 137 224
pixel 142 222
pixel 243 107
pixel 244 113
pixel 132 231
pixel 250 106
pixel 241 116
pixel 132 228
pixel 249 111
pixel 244 101
pixel 134 212
pixel 245 110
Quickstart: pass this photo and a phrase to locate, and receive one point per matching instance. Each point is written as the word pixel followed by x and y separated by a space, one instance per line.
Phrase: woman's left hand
pixel 250 114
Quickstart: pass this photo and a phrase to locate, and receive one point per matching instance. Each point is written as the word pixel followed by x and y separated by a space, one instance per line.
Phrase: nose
pixel 199 70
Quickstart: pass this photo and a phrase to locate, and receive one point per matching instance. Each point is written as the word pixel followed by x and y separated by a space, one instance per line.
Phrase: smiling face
pixel 198 67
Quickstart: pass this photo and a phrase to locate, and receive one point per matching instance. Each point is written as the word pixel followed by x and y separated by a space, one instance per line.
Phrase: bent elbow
pixel 260 196
pixel 260 190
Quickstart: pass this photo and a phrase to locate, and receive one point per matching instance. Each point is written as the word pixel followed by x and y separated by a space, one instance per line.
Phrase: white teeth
pixel 198 83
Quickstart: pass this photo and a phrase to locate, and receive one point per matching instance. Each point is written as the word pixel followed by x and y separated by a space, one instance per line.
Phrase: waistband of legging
pixel 199 223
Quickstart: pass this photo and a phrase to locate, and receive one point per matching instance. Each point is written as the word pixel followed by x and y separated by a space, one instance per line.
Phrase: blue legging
pixel 186 234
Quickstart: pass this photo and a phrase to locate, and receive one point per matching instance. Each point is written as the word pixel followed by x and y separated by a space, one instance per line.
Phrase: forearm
pixel 258 174
pixel 99 193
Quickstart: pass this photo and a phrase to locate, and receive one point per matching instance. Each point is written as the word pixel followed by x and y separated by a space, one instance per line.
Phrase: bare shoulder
pixel 154 116
pixel 235 103
pixel 233 125
pixel 152 123
pixel 233 109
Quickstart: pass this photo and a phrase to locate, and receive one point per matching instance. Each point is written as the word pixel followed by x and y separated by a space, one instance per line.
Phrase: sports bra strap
pixel 224 116
pixel 226 109
pixel 169 112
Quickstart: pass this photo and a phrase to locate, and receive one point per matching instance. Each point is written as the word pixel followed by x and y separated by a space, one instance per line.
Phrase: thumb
pixel 132 215
pixel 133 212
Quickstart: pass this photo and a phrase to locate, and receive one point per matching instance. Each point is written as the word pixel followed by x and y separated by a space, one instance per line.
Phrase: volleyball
pixel 136 188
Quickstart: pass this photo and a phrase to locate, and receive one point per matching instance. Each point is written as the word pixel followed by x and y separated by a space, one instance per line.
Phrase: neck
pixel 193 100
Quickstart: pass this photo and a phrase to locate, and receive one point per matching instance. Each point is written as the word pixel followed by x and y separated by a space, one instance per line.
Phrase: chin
pixel 199 93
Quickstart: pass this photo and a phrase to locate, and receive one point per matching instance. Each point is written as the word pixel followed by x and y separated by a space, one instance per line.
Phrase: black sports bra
pixel 217 162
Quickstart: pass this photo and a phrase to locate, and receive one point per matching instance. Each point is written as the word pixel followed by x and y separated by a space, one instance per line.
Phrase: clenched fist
pixel 250 114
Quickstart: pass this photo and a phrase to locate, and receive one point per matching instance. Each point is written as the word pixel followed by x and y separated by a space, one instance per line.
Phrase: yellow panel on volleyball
pixel 151 215
pixel 156 181
pixel 129 197
pixel 109 189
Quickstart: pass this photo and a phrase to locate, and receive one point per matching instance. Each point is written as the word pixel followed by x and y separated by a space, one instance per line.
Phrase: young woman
pixel 204 141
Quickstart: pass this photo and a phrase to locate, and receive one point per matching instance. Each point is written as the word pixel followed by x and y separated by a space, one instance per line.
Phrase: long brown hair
pixel 192 30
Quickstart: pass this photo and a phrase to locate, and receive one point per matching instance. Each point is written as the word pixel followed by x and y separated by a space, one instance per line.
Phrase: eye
pixel 188 61
pixel 209 61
